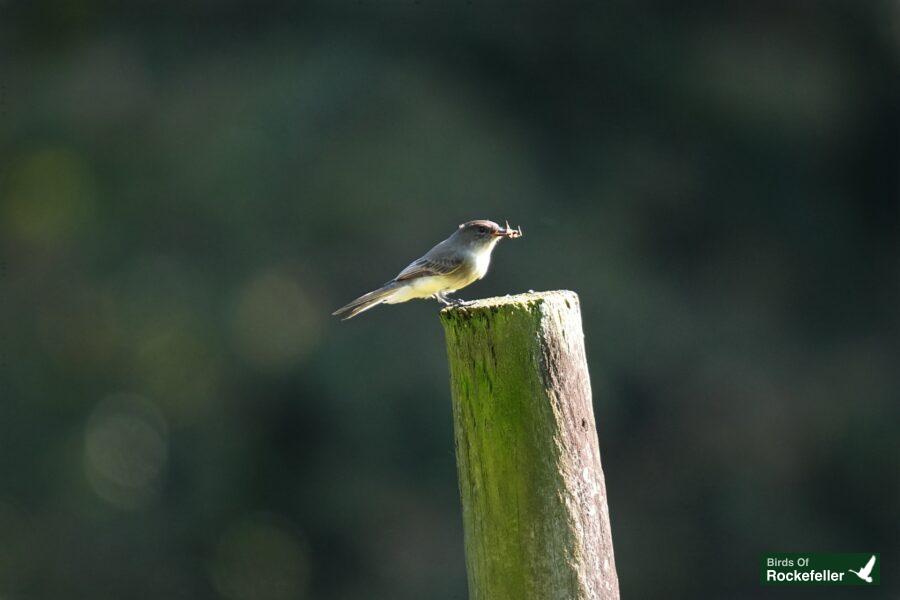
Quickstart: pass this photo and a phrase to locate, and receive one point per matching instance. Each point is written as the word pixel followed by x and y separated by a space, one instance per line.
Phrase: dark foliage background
pixel 188 190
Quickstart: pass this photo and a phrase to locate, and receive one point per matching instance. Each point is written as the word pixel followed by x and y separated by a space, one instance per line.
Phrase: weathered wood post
pixel 534 500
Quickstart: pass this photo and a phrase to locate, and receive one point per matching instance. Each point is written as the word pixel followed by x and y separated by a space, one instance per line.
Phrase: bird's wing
pixel 868 568
pixel 430 265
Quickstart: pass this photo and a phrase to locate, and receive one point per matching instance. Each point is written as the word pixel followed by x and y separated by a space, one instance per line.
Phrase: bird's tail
pixel 366 301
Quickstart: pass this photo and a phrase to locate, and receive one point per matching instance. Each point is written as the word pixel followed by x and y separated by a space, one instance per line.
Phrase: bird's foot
pixel 446 301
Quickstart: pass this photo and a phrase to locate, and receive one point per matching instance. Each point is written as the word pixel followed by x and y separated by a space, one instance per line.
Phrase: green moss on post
pixel 533 495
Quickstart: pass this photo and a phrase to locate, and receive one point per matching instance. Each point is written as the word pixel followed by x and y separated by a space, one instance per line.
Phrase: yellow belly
pixel 425 287
pixel 422 287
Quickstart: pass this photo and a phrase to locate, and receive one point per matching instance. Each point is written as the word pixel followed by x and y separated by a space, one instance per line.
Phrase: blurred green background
pixel 189 190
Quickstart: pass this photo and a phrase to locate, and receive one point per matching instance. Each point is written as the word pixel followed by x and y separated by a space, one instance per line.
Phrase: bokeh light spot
pixel 125 451
pixel 260 559
pixel 179 369
pixel 79 330
pixel 50 196
pixel 276 323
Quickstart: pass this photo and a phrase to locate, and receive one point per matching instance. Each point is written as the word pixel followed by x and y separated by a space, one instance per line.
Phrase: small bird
pixel 866 572
pixel 453 264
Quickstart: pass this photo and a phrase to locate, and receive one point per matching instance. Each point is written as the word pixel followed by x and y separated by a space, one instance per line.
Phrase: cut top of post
pixel 527 301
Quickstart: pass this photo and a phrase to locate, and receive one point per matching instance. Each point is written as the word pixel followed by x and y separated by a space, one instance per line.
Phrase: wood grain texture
pixel 533 494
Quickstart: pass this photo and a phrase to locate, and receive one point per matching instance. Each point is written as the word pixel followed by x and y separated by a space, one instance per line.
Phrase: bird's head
pixel 483 234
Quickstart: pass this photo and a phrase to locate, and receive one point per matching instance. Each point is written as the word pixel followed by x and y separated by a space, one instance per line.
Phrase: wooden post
pixel 533 495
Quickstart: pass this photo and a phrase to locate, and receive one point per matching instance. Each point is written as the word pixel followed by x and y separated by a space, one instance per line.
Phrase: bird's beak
pixel 508 232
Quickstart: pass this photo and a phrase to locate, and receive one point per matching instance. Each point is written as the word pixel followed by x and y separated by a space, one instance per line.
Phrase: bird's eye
pixel 483 229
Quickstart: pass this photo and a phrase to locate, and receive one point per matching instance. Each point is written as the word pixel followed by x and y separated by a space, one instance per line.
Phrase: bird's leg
pixel 442 298
pixel 458 302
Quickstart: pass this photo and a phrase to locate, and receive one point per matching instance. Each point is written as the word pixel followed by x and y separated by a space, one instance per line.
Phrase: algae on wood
pixel 533 495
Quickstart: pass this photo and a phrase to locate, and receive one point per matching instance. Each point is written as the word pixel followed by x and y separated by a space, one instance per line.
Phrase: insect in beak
pixel 509 232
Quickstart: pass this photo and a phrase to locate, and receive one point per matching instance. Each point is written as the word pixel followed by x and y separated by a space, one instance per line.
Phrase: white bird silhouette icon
pixel 865 572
